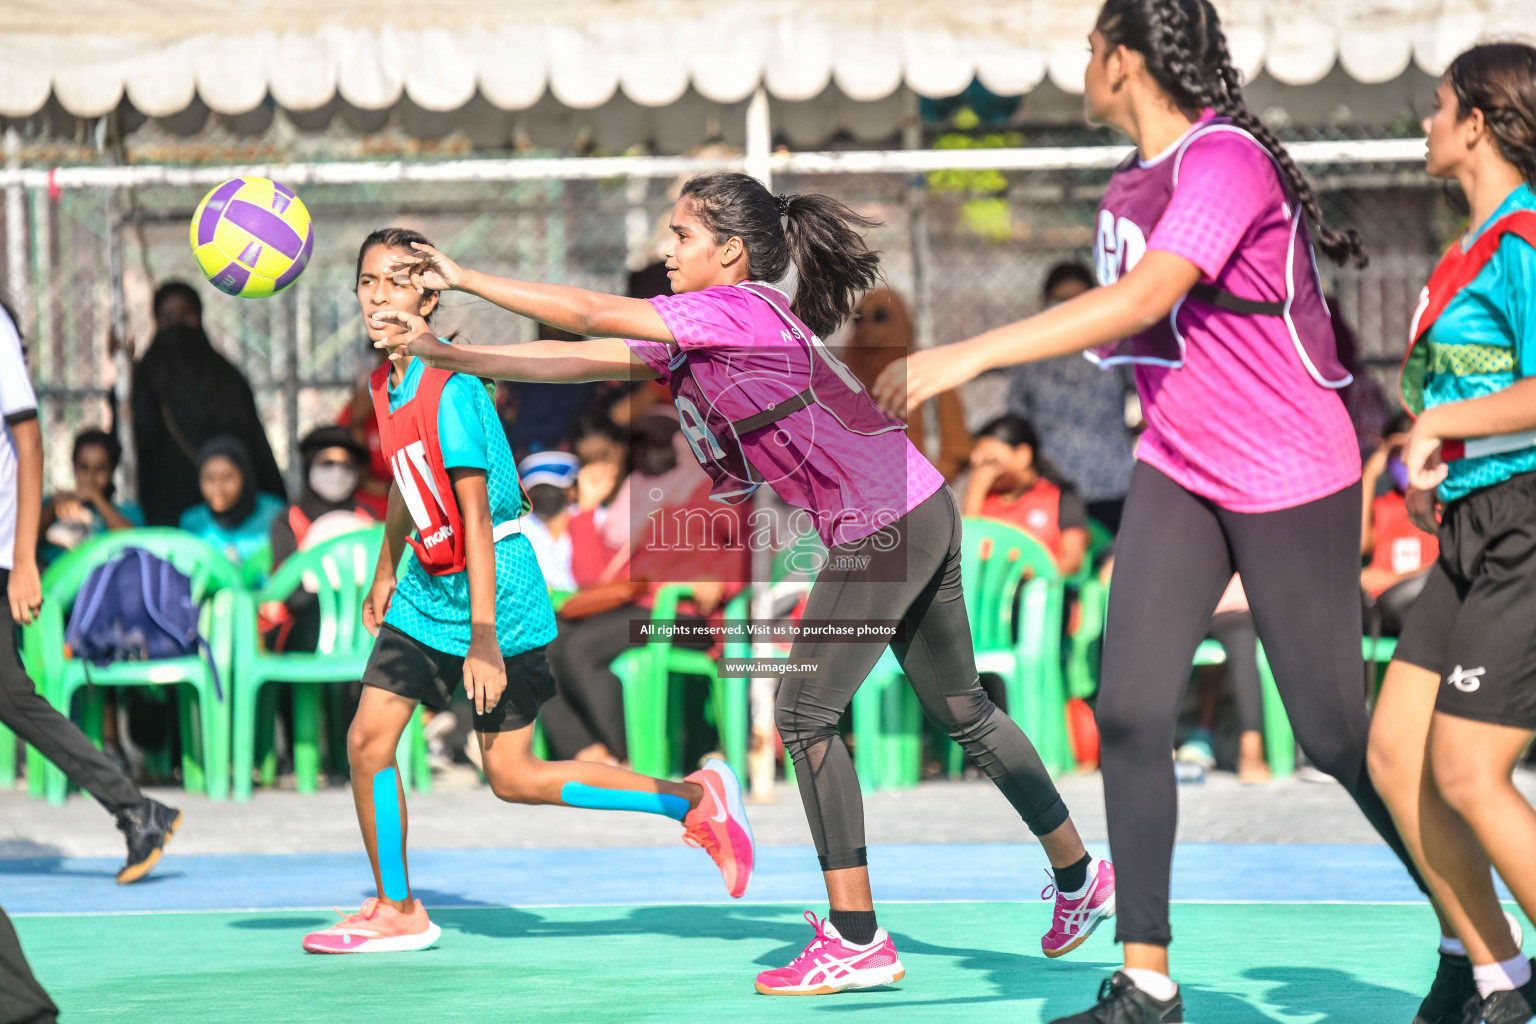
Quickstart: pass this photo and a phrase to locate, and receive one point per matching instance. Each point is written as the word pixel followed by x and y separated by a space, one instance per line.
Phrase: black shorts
pixel 1475 623
pixel 404 665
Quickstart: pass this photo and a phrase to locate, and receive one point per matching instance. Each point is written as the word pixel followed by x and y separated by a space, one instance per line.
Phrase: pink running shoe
pixel 719 824
pixel 1075 919
pixel 830 965
pixel 376 928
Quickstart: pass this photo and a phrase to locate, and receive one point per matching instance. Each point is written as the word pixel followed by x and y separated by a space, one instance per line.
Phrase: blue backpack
pixel 136 607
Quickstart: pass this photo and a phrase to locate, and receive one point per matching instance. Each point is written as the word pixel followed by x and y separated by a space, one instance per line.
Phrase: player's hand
pixel 485 672
pixel 908 383
pixel 1422 508
pixel 70 506
pixel 376 606
pixel 414 337
pixel 430 270
pixel 25 592
pixel 1421 454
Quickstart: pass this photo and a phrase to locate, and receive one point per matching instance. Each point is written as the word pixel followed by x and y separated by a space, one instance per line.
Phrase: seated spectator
pixel 74 516
pixel 615 554
pixel 550 480
pixel 882 333
pixel 328 507
pixel 184 394
pixel 1081 410
pixel 234 517
pixel 1363 398
pixel 1233 627
pixel 1011 482
pixel 1400 554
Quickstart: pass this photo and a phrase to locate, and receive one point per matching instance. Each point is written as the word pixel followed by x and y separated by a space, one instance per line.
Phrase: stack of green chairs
pixel 341 573
pixel 215 585
pixel 653 706
pixel 1005 568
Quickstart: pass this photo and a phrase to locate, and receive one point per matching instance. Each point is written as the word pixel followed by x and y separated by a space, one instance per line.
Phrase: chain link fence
pixel 969 250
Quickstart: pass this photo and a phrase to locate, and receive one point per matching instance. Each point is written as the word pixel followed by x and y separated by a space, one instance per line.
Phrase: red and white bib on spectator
pixel 409 435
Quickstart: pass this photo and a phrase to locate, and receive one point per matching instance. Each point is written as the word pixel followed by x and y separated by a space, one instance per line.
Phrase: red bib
pixel 1036 512
pixel 409 437
pixel 1455 271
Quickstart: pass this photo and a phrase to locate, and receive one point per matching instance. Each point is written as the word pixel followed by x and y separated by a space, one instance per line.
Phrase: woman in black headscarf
pixel 233 516
pixel 184 393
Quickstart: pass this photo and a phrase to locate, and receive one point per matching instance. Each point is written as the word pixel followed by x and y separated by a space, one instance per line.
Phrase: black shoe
pixel 148 827
pixel 1512 1006
pixel 1453 997
pixel 1121 1002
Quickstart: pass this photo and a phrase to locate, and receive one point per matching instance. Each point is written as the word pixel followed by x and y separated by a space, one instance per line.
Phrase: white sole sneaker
pixel 393 944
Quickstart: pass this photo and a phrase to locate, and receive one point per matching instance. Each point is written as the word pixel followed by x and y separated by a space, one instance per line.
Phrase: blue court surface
pixel 1295 933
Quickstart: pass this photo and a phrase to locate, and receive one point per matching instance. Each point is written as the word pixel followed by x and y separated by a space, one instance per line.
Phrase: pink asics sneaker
pixel 1075 919
pixel 829 965
pixel 719 824
pixel 376 928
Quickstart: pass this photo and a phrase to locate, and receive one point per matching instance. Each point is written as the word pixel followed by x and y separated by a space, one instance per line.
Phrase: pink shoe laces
pixel 817 944
pixel 369 908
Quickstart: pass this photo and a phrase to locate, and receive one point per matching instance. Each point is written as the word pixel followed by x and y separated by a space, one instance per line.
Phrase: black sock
pixel 1072 877
pixel 857 926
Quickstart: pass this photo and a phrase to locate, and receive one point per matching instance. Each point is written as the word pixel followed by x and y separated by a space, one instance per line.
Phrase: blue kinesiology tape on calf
pixel 386 831
pixel 579 794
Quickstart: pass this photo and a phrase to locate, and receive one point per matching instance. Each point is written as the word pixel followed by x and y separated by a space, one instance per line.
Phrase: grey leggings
pixel 913 574
pixel 1173 558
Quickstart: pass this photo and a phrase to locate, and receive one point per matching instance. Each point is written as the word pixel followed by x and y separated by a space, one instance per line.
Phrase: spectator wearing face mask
pixel 329 505
pixel 1400 554
pixel 550 480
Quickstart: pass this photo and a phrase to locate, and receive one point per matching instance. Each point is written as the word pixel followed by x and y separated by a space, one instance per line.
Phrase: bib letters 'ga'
pixel 718 409
pixel 1457 269
pixel 1133 204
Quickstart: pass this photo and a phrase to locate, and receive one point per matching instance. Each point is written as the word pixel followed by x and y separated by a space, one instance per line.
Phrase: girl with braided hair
pixel 1211 293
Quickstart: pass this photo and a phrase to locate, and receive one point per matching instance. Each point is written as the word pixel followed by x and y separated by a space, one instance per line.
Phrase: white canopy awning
pixel 164 54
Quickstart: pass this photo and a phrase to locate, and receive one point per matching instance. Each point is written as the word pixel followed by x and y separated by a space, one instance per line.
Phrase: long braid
pixel 1186 54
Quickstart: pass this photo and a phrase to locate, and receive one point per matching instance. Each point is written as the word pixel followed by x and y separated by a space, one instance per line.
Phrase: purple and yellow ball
pixel 252 237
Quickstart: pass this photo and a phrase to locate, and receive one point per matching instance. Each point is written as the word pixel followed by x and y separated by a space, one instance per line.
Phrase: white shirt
pixel 18 402
pixel 554 555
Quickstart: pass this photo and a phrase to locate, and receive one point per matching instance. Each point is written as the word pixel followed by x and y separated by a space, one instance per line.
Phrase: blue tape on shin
pixel 579 794
pixel 386 833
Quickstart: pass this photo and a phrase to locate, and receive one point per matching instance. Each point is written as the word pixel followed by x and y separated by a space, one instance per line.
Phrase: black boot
pixel 149 826
pixel 1121 1002
pixel 1512 1006
pixel 1453 997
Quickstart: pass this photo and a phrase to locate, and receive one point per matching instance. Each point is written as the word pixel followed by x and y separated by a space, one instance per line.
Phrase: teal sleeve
pixel 459 432
pixel 1519 264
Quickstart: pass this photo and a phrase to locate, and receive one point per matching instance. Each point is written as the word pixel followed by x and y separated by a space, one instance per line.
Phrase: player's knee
pixel 369 746
pixel 1124 727
pixel 519 781
pixel 1393 765
pixel 800 725
pixel 1463 781
pixel 1337 756
pixel 969 716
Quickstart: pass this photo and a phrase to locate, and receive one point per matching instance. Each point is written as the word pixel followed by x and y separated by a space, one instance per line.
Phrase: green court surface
pixel 1238 963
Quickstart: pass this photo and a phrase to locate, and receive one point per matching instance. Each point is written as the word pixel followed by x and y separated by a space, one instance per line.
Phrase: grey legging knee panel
pixel 1173 558
pixel 914 574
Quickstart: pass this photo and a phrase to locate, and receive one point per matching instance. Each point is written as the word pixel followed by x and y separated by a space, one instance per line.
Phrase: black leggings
pixel 1173 558
pixel 914 574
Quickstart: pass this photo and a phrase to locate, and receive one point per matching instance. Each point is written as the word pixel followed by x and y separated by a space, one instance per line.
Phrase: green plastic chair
pixel 653 707
pixel 887 729
pixel 256 566
pixel 341 572
pixel 1279 740
pixel 1003 567
pixel 215 586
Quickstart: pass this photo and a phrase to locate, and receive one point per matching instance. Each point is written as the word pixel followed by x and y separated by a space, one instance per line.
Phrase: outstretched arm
pixel 1137 301
pixel 556 362
pixel 571 309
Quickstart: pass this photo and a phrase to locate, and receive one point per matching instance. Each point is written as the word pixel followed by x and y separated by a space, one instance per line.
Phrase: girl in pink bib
pixel 1248 463
pixel 762 402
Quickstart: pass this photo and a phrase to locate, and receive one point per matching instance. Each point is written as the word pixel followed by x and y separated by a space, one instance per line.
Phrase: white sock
pixel 1154 983
pixel 1501 976
pixel 1452 946
pixel 1093 870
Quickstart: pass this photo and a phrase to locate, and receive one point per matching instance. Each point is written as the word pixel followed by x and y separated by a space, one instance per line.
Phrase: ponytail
pixel 818 236
pixel 1186 54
